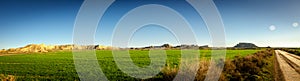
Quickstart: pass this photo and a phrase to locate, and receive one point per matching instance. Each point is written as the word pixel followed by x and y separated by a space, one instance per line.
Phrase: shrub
pixel 250 68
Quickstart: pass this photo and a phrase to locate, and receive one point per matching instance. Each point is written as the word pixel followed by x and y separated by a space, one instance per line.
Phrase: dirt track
pixel 289 65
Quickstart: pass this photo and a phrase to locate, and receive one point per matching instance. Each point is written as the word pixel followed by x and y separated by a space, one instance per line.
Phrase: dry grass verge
pixel 7 77
pixel 169 72
pixel 255 67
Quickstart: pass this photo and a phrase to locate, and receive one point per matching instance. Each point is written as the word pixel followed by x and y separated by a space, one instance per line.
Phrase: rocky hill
pixel 245 45
pixel 36 48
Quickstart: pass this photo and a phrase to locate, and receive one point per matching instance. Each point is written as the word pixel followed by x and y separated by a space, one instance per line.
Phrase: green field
pixel 59 65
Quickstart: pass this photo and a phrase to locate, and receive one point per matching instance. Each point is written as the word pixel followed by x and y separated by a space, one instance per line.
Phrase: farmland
pixel 60 65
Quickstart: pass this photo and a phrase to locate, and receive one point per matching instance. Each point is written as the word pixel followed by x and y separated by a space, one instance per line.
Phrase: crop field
pixel 60 65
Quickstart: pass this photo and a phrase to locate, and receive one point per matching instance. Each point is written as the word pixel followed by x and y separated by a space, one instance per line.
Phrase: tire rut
pixel 288 65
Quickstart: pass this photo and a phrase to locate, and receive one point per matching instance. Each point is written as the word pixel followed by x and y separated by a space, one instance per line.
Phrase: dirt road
pixel 289 65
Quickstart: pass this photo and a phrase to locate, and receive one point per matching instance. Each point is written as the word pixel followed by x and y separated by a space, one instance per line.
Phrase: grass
pixel 60 65
pixel 255 67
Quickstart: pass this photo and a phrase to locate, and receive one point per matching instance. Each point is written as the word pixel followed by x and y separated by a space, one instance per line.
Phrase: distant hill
pixel 245 45
pixel 168 46
pixel 36 48
pixel 42 48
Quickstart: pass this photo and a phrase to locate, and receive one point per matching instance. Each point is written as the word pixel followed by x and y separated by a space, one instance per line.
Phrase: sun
pixel 295 24
pixel 272 27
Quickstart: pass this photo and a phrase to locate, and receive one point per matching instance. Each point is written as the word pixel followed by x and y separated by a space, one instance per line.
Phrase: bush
pixel 258 66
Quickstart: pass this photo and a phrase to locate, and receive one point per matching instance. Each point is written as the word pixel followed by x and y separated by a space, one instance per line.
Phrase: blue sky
pixel 51 22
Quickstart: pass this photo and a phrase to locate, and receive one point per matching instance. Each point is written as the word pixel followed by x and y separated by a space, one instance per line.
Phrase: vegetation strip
pixel 257 66
pixel 248 65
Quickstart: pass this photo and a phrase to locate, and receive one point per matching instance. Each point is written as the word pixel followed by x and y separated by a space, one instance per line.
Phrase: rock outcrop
pixel 104 47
